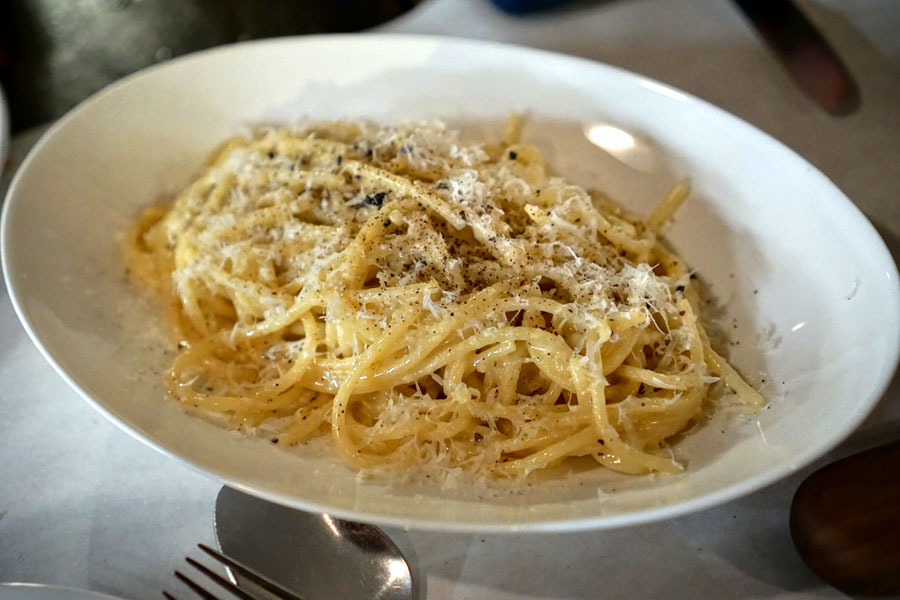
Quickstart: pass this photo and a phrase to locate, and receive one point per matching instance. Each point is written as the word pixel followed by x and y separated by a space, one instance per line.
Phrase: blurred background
pixel 57 52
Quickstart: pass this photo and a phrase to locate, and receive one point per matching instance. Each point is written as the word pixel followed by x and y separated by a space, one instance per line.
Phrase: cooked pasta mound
pixel 427 302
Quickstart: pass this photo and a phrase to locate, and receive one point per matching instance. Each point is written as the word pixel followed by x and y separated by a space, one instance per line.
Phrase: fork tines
pixel 247 573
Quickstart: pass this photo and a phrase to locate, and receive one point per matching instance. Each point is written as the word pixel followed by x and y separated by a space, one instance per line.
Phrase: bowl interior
pixel 804 288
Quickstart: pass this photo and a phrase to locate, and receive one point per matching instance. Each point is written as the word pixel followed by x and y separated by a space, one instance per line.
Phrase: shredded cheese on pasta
pixel 427 302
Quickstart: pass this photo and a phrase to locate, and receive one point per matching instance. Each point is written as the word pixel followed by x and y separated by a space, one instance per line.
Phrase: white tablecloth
pixel 84 504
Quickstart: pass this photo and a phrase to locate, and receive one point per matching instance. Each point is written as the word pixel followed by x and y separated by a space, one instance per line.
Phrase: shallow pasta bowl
pixel 805 289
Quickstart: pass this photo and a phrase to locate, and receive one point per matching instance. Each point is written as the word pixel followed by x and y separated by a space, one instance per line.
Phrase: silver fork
pixel 249 574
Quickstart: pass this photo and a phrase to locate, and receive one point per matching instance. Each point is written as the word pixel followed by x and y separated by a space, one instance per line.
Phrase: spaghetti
pixel 427 302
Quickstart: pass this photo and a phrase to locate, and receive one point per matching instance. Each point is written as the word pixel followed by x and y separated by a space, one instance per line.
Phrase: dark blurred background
pixel 55 53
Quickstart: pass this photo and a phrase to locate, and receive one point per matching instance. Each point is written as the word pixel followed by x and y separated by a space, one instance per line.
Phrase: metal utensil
pixel 265 584
pixel 807 56
pixel 315 555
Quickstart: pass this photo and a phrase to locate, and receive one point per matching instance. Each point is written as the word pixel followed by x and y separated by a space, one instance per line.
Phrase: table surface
pixel 86 505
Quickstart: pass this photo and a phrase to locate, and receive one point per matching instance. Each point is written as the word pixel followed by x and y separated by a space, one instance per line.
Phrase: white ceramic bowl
pixel 793 264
